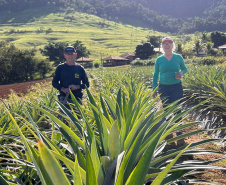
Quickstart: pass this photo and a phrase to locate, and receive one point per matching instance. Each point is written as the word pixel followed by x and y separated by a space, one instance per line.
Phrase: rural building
pixel 223 48
pixel 158 50
pixel 202 54
pixel 85 62
pixel 115 61
pixel 129 56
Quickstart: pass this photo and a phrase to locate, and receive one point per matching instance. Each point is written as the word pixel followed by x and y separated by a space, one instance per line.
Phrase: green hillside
pixel 98 35
pixel 175 16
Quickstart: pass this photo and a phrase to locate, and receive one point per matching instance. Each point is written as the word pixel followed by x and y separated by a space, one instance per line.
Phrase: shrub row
pixel 207 60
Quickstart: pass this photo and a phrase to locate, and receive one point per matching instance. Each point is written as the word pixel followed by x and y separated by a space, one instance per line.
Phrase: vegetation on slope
pixel 166 16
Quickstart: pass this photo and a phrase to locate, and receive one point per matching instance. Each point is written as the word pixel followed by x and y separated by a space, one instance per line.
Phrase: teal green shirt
pixel 165 70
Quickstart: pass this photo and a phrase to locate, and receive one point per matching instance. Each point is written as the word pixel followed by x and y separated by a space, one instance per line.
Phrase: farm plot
pixel 19 88
pixel 118 135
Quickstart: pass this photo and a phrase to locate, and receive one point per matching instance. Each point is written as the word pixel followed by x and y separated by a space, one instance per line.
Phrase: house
pixel 223 48
pixel 115 61
pixel 202 54
pixel 85 62
pixel 129 56
pixel 158 50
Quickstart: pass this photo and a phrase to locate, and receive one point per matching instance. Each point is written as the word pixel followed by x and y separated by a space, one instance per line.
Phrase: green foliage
pixel 19 65
pixel 55 51
pixel 212 52
pixel 142 62
pixel 218 38
pixel 154 40
pixel 179 47
pixel 198 61
pixel 207 82
pixel 139 12
pixel 198 46
pixel 205 38
pixel 96 64
pixel 106 41
pixel 209 46
pixel 144 51
pixel 43 68
pixel 81 49
pixel 118 139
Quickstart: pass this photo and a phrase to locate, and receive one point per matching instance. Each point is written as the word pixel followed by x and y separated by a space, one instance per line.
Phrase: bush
pixel 43 68
pixel 212 52
pixel 96 64
pixel 16 65
pixel 142 62
pixel 207 60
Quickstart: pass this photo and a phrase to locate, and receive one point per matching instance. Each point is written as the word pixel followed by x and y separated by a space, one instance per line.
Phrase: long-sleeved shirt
pixel 66 75
pixel 165 70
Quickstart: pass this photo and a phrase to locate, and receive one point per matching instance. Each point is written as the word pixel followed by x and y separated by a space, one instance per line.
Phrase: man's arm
pixel 56 79
pixel 85 80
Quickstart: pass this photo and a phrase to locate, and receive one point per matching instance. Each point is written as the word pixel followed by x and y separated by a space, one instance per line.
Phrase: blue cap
pixel 69 49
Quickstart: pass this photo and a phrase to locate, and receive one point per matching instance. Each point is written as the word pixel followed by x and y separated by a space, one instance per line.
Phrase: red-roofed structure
pixel 129 56
pixel 115 61
pixel 85 62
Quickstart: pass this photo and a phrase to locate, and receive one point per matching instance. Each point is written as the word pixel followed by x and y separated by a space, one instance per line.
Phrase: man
pixel 70 76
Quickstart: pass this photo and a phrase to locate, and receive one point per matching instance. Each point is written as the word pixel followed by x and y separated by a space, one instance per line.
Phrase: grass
pixel 28 29
pixel 98 35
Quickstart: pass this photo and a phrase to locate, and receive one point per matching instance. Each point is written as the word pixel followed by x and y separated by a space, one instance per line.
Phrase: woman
pixel 169 69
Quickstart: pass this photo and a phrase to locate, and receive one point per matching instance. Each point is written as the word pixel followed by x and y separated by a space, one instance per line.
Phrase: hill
pixel 41 26
pixel 182 9
pixel 173 16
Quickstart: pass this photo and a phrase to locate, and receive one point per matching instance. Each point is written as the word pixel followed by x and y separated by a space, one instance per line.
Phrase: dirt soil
pixel 19 88
pixel 217 176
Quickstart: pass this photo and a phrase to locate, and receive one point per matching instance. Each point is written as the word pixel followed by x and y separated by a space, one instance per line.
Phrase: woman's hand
pixel 179 75
pixel 155 95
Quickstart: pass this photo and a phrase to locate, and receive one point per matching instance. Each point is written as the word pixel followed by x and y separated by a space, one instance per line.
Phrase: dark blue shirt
pixel 66 75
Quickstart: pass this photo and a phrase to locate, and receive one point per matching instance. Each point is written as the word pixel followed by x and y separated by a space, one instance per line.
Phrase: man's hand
pixel 65 90
pixel 74 87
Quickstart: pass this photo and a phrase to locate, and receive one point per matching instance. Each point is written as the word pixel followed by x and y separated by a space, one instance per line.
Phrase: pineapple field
pixel 119 135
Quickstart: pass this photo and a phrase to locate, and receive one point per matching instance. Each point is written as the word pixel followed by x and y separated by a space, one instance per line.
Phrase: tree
pixel 179 47
pixel 81 49
pixel 154 40
pixel 16 65
pixel 144 51
pixel 204 37
pixel 139 50
pixel 23 65
pixel 218 38
pixel 44 68
pixel 55 51
pixel 198 46
pixel 209 46
pixel 210 51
